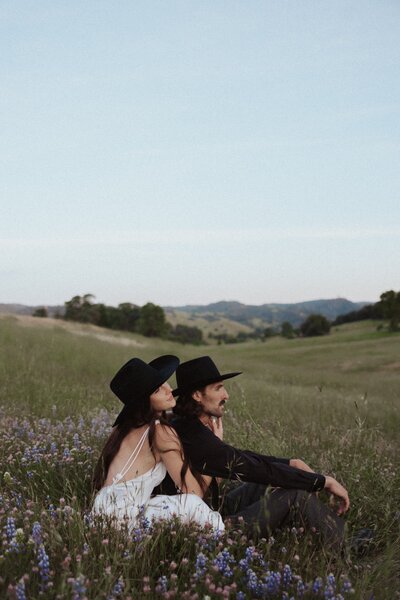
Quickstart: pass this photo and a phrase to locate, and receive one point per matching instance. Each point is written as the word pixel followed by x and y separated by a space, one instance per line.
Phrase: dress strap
pixel 133 456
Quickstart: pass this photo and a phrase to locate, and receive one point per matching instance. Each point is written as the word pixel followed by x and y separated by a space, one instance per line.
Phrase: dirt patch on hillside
pixel 394 366
pixel 77 329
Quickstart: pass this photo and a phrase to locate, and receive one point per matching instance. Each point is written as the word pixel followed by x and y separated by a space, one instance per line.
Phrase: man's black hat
pixel 197 373
pixel 136 380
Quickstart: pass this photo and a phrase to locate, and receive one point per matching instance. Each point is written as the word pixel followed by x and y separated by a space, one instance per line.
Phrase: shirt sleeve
pixel 211 456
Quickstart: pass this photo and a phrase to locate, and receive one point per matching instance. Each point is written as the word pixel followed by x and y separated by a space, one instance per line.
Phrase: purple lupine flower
pixel 78 587
pixel 20 590
pixel 329 593
pixel 346 586
pixel 200 564
pixel 222 562
pixel 273 582
pixel 44 566
pixel 37 533
pixel 317 585
pixel 301 588
pixel 117 589
pixel 162 585
pixel 88 519
pixel 331 580
pixel 11 530
pixel 252 581
pixel 240 596
pixel 287 575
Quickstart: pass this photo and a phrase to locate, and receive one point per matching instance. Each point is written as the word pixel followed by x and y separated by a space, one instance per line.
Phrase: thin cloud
pixel 217 236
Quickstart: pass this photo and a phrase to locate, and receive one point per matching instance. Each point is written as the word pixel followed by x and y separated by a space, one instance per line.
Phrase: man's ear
pixel 197 395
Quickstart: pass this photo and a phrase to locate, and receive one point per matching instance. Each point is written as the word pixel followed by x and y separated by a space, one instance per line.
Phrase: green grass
pixel 333 401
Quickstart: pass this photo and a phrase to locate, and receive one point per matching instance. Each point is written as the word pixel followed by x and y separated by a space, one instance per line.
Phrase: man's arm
pixel 211 456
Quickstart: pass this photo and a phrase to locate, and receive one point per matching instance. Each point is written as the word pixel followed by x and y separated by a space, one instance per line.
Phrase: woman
pixel 142 448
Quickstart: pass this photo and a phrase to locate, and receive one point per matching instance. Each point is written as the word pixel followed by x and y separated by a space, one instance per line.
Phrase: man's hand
pixel 215 424
pixel 335 488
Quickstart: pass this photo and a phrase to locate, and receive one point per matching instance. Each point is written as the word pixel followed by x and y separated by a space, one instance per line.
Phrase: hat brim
pixel 202 383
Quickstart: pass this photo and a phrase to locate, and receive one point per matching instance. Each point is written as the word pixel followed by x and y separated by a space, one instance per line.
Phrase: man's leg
pixel 241 497
pixel 280 508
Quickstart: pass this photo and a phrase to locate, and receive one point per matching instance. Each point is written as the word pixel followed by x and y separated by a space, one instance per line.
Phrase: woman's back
pixel 133 459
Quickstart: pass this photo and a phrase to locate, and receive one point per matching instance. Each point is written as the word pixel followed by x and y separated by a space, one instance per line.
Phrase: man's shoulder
pixel 182 424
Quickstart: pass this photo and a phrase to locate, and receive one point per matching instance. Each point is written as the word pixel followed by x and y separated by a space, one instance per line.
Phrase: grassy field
pixel 333 401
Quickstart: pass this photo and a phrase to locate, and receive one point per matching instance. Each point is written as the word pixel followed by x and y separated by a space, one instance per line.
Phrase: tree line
pixel 148 320
pixel 387 308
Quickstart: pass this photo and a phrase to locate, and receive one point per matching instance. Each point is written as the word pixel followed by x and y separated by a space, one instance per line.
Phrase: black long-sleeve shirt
pixel 209 455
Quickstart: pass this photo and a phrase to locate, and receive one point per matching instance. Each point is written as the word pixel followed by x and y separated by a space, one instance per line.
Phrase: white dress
pixel 128 500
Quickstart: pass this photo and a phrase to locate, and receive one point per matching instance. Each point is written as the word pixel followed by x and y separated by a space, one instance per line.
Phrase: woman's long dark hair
pixel 141 414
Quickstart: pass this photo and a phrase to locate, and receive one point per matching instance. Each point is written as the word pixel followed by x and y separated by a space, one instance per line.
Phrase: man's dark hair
pixel 186 406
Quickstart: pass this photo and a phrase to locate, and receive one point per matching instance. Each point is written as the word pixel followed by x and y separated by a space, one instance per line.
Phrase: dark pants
pixel 266 509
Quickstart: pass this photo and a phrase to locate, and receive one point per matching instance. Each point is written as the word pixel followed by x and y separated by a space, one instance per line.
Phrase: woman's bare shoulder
pixel 166 436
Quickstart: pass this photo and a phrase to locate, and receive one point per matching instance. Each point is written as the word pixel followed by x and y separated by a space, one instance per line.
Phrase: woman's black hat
pixel 136 380
pixel 197 373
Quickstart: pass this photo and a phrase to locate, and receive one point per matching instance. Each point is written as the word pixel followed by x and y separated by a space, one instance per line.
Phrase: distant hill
pixel 22 309
pixel 269 314
pixel 230 316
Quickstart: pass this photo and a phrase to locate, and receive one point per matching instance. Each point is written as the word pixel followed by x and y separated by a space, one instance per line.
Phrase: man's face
pixel 212 399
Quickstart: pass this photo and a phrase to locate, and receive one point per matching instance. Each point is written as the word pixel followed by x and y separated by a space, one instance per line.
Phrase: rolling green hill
pixel 333 401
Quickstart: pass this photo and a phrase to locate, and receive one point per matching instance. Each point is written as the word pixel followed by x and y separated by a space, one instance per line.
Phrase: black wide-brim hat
pixel 197 373
pixel 137 380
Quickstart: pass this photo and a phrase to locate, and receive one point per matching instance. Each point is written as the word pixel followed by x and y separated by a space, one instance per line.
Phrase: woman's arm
pixel 169 448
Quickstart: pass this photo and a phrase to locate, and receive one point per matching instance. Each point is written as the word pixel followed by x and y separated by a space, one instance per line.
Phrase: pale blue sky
pixel 194 151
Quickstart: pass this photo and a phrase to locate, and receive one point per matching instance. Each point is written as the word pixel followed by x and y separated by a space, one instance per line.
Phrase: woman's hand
pixel 335 488
pixel 215 424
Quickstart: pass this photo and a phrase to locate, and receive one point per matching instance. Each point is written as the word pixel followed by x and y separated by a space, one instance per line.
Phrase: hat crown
pixel 136 379
pixel 197 373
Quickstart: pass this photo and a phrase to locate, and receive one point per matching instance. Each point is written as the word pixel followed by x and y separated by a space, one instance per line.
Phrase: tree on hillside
pixel 390 303
pixel 287 330
pixel 186 334
pixel 315 325
pixel 152 322
pixel 82 308
pixel 40 312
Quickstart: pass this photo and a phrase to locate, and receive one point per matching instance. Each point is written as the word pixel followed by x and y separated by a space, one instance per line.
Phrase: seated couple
pixel 158 469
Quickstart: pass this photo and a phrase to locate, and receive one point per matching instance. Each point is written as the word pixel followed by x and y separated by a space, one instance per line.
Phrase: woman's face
pixel 162 398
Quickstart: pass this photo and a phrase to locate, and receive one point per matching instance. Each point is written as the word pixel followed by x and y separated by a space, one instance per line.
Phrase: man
pixel 200 406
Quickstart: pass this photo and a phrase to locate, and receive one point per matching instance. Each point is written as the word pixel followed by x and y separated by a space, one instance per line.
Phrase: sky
pixel 186 152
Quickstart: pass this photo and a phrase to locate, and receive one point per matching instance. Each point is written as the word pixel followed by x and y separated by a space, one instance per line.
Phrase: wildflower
pixel 117 589
pixel 346 586
pixel 20 590
pixel 19 535
pixel 37 533
pixel 44 566
pixel 78 587
pixel 317 585
pixel 301 588
pixel 222 562
pixel 273 582
pixel 329 593
pixel 200 564
pixel 162 585
pixel 10 528
pixel 287 575
pixel 8 480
